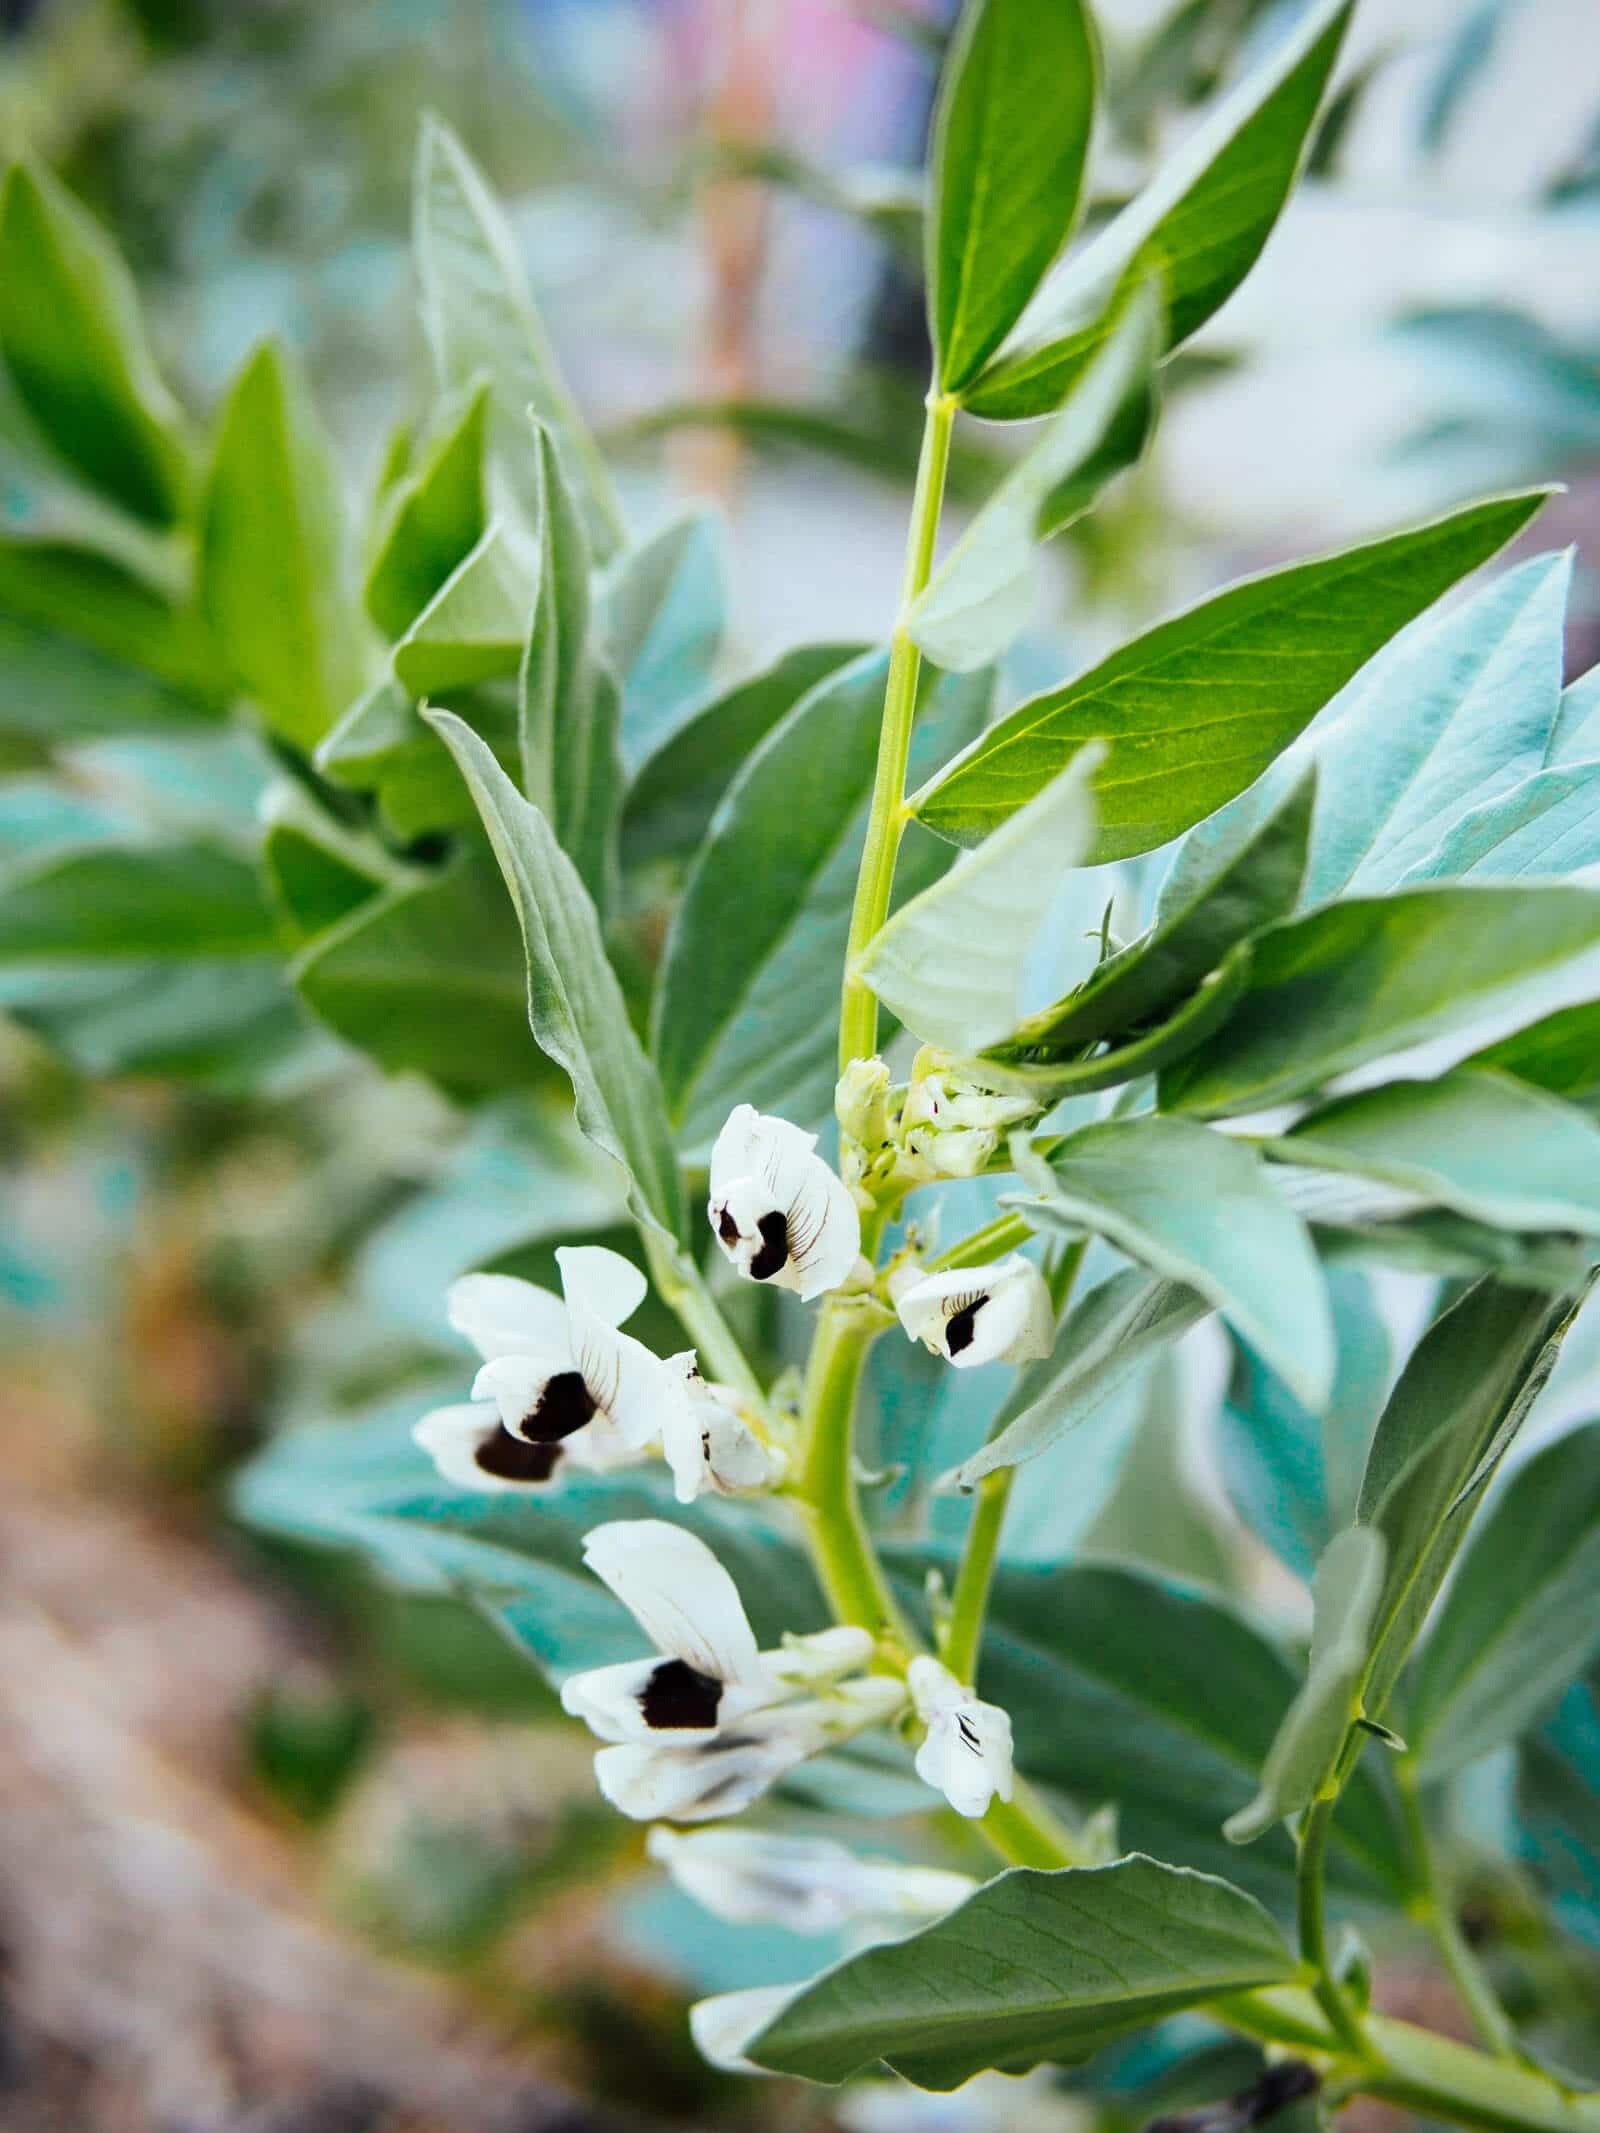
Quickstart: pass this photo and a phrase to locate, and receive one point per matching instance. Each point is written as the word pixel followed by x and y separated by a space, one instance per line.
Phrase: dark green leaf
pixel 428 979
pixel 382 745
pixel 747 1001
pixel 56 691
pixel 1034 1967
pixel 1199 1209
pixel 677 789
pixel 1346 1592
pixel 1365 980
pixel 1010 139
pixel 575 1005
pixel 432 519
pixel 1519 1621
pixel 76 352
pixel 1197 708
pixel 273 575
pixel 82 594
pixel 1461 1399
pixel 317 871
pixel 1200 225
pixel 129 903
pixel 475 629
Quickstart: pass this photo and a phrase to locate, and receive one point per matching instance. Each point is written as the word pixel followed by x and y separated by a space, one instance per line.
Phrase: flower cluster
pixel 707 1721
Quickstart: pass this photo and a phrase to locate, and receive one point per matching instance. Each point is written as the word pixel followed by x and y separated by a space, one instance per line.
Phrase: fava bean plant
pixel 1325 999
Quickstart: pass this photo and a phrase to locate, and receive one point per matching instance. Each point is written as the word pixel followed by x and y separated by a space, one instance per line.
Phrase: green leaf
pixel 230 1023
pixel 479 318
pixel 1367 979
pixel 1483 1143
pixel 1435 1241
pixel 382 745
pixel 475 629
pixel 1560 1053
pixel 981 597
pixel 75 349
pixel 273 577
pixel 1197 708
pixel 676 792
pixel 951 962
pixel 1457 711
pixel 1345 1592
pixel 1200 224
pixel 1558 1811
pixel 569 713
pixel 1546 827
pixel 1010 139
pixel 662 620
pixel 432 519
pixel 1129 1685
pixel 1033 1967
pixel 78 593
pixel 1110 1333
pixel 428 979
pixel 1198 921
pixel 127 903
pixel 1199 1209
pixel 575 1005
pixel 316 869
pixel 57 691
pixel 1460 1401
pixel 748 998
pixel 1518 1622
pixel 1291 1475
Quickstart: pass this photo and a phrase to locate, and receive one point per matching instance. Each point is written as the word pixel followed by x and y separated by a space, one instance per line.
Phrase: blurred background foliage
pixel 719 203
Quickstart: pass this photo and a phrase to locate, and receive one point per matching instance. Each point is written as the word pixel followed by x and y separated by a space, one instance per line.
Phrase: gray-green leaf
pixel 1199 1209
pixel 1367 979
pixel 575 1005
pixel 1345 1592
pixel 432 519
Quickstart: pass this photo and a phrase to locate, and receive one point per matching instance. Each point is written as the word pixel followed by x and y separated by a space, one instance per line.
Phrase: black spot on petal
pixel 565 1405
pixel 958 1332
pixel 511 1458
pixel 773 1256
pixel 678 1694
pixel 727 1228
pixel 968 1732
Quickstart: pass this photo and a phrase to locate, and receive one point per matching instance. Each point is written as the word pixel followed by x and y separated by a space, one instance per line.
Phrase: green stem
pixel 993 1241
pixel 683 1288
pixel 1435 1911
pixel 1026 1833
pixel 1314 1833
pixel 979 1556
pixel 847 1563
pixel 858 1012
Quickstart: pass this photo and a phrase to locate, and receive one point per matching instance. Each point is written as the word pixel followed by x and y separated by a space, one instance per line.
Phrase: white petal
pixel 967 1752
pixel 826 1655
pixel 501 1315
pixel 723 2025
pixel 804 1884
pixel 709 1445
pixel 680 1596
pixel 980 1314
pixel 772 1194
pixel 650 1782
pixel 454 1437
pixel 602 1283
pixel 616 1701
pixel 518 1385
pixel 637 1391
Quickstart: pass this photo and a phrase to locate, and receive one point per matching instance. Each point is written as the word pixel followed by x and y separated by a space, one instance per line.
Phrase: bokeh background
pixel 279 1851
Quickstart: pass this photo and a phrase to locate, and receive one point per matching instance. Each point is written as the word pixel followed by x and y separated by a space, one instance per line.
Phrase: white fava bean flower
pixel 977 1314
pixel 804 1884
pixel 707 1723
pixel 967 1752
pixel 561 1386
pixel 778 1211
pixel 955 1127
pixel 708 1443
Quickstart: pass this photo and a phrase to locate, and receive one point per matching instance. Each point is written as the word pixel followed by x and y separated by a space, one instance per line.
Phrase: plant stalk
pixel 1433 1908
pixel 858 1011
pixel 1312 1916
pixel 683 1288
pixel 847 1563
